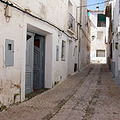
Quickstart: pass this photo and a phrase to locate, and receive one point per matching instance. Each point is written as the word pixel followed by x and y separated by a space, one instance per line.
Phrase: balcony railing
pixel 71 22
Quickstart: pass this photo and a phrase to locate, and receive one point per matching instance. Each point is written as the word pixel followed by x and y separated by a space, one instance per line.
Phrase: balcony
pixel 71 23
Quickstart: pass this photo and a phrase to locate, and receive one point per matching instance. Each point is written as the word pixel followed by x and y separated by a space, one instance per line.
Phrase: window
pixel 71 19
pixel 57 53
pixel 63 51
pixel 71 22
pixel 9 46
pixel 116 45
pixel 101 21
pixel 100 53
pixel 37 43
pixel 111 50
pixel 100 35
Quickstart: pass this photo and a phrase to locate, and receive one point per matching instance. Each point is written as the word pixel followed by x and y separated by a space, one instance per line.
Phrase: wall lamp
pixel 93 37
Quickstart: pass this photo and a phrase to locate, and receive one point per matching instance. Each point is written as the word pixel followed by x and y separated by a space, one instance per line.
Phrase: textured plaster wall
pixel 84 55
pixel 12 79
pixel 116 36
pixel 97 44
pixel 55 11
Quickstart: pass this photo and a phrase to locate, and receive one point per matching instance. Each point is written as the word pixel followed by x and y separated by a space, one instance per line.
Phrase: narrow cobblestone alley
pixel 91 94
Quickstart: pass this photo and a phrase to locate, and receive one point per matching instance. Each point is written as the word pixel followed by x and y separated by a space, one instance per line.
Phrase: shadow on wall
pixel 93 25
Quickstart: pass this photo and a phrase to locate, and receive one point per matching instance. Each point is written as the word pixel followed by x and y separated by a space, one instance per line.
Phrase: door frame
pixel 43 77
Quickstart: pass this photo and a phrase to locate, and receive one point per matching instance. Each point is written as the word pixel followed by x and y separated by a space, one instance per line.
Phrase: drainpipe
pixel 79 39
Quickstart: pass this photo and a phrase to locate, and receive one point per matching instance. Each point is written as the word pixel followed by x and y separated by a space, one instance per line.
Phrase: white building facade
pixel 38 46
pixel 113 12
pixel 84 37
pixel 98 36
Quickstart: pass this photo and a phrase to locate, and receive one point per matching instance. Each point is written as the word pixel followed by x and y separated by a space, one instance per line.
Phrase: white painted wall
pixel 12 79
pixel 116 36
pixel 84 54
pixel 97 44
pixel 107 36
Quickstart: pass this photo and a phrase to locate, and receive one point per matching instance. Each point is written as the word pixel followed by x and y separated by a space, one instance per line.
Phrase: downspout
pixel 79 39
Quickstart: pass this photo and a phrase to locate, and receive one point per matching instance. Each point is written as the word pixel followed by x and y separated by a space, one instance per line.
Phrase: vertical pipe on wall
pixel 79 39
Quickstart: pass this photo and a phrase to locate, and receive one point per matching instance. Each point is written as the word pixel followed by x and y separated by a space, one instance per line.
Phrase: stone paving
pixel 91 94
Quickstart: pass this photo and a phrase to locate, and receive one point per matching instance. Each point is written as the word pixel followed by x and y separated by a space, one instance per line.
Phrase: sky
pixel 93 2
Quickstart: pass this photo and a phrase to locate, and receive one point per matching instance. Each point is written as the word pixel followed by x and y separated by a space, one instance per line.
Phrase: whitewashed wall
pixel 84 54
pixel 116 37
pixel 97 44
pixel 12 79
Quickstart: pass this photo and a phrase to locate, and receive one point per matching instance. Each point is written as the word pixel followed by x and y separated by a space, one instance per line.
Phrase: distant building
pixel 112 10
pixel 98 36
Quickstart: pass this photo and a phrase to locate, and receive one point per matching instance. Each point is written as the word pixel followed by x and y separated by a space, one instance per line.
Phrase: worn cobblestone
pixel 91 94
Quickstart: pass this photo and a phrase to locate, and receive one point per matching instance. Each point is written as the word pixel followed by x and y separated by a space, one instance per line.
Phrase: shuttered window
pixel 63 50
pixel 100 53
pixel 101 20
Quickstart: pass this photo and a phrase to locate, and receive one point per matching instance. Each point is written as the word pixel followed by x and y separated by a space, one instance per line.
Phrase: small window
pixel 100 35
pixel 100 53
pixel 111 50
pixel 9 47
pixel 37 43
pixel 71 19
pixel 63 50
pixel 57 53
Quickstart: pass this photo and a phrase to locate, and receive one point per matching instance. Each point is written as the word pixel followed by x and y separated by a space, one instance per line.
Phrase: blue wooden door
pixel 29 63
pixel 39 53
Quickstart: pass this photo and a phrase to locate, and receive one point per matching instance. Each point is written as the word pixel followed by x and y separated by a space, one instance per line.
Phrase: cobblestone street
pixel 91 94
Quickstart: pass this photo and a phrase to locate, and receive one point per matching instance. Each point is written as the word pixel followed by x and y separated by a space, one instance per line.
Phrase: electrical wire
pixel 20 9
pixel 95 4
pixel 16 7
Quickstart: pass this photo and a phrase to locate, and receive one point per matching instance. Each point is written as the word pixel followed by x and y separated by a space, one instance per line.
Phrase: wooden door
pixel 39 53
pixel 29 63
